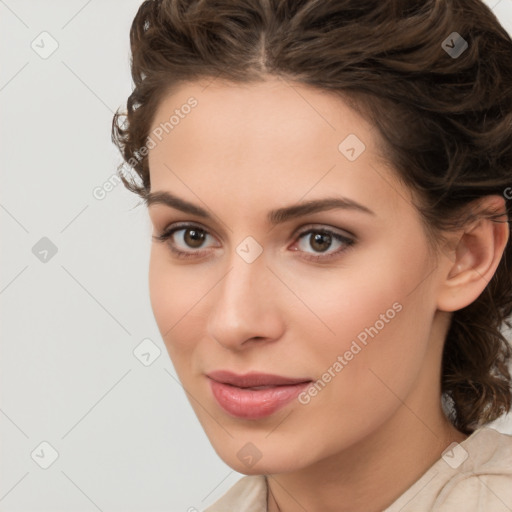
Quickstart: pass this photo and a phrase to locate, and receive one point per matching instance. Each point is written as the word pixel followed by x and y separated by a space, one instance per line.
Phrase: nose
pixel 246 306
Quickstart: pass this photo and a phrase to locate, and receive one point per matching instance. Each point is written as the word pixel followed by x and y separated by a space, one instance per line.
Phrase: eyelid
pixel 318 226
pixel 301 230
pixel 324 257
pixel 172 228
pixel 175 226
pixel 344 236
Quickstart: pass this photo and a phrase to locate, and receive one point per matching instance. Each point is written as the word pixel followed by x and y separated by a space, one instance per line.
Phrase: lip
pixel 254 379
pixel 237 396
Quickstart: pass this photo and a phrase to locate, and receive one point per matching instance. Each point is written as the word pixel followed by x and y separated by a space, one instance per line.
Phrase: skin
pixel 377 426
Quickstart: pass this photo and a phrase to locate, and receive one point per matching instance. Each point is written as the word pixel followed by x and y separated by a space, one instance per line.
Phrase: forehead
pixel 279 136
pixel 275 119
pixel 250 104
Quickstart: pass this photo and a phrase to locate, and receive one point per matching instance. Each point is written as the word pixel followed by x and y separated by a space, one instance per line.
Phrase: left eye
pixel 321 240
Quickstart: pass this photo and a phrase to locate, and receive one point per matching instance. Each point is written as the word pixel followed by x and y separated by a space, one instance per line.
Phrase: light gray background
pixel 126 436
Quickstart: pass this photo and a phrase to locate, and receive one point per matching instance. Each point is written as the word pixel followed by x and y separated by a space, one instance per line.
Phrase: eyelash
pixel 167 234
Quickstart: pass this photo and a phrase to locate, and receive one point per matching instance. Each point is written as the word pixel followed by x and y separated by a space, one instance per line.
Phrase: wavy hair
pixel 444 120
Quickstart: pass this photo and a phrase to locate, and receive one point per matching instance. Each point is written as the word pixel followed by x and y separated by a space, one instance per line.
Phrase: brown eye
pixel 193 237
pixel 185 240
pixel 320 241
pixel 320 245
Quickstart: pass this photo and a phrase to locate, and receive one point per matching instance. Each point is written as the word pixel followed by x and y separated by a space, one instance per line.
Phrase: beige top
pixel 473 476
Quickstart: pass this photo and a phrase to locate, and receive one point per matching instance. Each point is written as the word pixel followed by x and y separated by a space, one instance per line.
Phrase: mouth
pixel 254 379
pixel 254 395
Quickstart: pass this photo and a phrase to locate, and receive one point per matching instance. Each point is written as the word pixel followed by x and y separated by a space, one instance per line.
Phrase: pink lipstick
pixel 254 395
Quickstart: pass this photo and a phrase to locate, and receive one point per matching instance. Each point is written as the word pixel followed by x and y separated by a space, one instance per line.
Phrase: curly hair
pixel 444 121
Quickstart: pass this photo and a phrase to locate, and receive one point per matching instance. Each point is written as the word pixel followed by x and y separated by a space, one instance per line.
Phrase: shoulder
pixel 479 474
pixel 474 476
pixel 249 494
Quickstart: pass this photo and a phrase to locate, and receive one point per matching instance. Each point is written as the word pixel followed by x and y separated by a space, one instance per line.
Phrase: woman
pixel 329 184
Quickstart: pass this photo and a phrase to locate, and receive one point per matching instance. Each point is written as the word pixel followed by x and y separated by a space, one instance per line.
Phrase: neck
pixel 370 475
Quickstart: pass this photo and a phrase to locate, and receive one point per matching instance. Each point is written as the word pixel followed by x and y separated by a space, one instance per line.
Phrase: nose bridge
pixel 239 292
pixel 244 305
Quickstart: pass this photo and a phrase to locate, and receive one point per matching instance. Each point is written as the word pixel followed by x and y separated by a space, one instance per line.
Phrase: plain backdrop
pixel 85 424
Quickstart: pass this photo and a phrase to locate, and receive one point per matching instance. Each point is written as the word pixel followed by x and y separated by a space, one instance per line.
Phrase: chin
pixel 261 457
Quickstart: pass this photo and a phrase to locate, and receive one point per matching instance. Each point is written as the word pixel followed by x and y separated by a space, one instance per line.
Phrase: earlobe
pixel 474 260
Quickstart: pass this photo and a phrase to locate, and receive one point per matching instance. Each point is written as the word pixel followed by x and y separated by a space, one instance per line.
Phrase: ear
pixel 472 257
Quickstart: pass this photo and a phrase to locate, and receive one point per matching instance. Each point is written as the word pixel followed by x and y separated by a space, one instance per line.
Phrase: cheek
pixel 363 372
pixel 376 319
pixel 172 300
pixel 350 300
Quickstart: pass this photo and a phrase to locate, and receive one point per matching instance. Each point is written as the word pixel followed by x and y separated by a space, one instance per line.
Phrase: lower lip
pixel 253 404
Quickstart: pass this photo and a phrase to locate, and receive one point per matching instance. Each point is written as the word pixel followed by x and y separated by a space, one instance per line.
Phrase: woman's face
pixel 267 287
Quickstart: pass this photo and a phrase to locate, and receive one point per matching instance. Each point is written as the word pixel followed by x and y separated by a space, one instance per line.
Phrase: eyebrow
pixel 274 217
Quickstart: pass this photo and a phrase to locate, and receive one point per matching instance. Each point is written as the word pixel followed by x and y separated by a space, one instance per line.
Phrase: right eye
pixel 183 239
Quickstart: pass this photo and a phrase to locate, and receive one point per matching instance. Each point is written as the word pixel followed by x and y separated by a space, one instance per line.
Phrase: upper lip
pixel 253 379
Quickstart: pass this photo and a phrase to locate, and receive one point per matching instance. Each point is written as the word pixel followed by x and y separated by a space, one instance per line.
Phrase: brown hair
pixel 445 121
